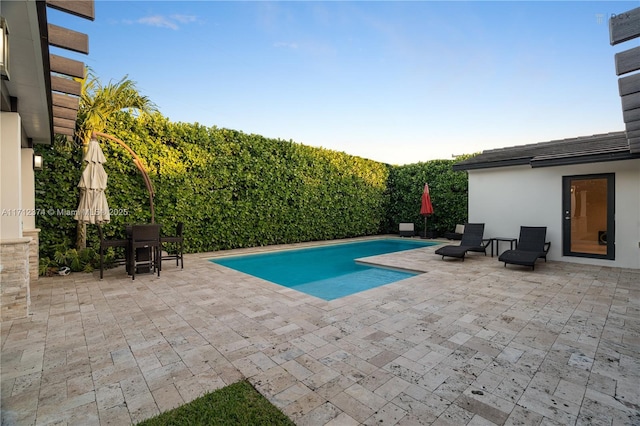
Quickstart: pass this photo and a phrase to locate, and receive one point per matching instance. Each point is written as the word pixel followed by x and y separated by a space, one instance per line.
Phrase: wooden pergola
pixel 65 72
pixel 624 27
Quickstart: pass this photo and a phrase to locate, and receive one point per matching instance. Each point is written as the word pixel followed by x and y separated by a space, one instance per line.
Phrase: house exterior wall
pixel 15 294
pixel 506 198
pixel 34 254
pixel 15 247
pixel 10 175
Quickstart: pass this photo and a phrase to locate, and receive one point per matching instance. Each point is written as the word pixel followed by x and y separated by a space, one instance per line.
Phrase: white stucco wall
pixel 506 198
pixel 10 176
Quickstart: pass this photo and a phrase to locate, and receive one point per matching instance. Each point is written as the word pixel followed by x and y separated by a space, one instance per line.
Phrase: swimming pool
pixel 328 272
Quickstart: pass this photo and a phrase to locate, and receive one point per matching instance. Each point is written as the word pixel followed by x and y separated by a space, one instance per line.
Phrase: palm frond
pixel 99 102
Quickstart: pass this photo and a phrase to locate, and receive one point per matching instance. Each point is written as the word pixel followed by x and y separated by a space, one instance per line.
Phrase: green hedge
pixel 448 191
pixel 56 196
pixel 230 189
pixel 233 189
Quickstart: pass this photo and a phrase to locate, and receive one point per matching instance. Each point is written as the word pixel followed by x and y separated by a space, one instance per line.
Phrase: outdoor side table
pixel 497 240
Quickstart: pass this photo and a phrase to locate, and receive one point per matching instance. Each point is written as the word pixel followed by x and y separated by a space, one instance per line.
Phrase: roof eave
pixel 583 159
pixel 44 45
pixel 491 164
pixel 550 162
pixel 27 87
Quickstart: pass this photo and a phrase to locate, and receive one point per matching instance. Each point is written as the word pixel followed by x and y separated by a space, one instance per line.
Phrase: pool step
pixel 354 282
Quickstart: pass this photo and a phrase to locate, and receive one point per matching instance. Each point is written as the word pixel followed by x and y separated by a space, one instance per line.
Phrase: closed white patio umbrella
pixel 93 207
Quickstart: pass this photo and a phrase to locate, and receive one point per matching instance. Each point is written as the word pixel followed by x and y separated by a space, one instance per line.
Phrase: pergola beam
pixel 82 8
pixel 66 66
pixel 68 39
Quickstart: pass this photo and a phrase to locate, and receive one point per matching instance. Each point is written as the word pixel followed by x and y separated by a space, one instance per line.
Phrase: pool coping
pixel 243 251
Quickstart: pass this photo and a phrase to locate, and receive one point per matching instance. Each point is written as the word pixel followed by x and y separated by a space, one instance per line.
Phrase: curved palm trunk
pixel 140 166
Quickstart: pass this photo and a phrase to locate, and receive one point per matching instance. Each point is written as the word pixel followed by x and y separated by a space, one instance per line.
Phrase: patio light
pixel 4 49
pixel 37 162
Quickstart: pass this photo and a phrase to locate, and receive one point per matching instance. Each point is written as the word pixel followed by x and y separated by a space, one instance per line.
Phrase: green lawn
pixel 236 404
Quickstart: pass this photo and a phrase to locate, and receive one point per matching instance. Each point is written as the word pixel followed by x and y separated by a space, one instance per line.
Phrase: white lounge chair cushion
pixel 406 227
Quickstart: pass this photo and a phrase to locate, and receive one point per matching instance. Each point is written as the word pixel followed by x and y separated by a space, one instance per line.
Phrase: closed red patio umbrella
pixel 426 208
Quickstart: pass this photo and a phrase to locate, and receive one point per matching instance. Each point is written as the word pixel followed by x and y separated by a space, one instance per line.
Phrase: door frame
pixel 611 218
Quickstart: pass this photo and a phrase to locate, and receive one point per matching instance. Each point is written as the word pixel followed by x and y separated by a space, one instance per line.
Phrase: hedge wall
pixel 448 191
pixel 56 193
pixel 233 189
pixel 230 189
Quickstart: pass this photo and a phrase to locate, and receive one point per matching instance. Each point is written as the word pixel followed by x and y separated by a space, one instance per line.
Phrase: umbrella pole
pixel 425 226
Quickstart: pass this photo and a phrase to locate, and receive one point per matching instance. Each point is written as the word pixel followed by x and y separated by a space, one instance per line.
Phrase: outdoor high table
pixel 496 241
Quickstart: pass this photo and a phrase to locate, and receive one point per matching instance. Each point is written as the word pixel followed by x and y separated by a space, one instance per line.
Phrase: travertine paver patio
pixel 464 343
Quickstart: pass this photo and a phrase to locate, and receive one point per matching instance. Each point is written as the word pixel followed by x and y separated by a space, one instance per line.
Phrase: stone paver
pixel 463 343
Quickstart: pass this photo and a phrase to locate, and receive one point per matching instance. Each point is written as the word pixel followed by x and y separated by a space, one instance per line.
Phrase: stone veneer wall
pixel 14 278
pixel 34 252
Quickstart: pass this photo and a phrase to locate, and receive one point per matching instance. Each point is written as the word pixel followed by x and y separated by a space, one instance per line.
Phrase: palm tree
pixel 98 104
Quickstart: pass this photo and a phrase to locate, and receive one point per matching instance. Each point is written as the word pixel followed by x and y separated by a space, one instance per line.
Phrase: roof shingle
pixel 584 149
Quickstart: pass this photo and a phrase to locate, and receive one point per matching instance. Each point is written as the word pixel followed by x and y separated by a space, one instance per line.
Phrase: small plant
pixel 85 260
pixel 46 267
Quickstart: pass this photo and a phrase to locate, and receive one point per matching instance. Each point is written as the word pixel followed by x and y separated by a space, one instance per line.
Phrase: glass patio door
pixel 588 216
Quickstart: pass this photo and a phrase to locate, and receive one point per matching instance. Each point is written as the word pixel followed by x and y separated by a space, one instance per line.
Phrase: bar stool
pixel 145 237
pixel 178 241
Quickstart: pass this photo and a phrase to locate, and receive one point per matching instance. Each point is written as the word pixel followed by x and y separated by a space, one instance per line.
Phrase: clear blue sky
pixel 398 82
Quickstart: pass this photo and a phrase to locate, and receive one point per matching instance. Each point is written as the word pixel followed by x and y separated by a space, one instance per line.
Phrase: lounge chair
pixel 455 235
pixel 406 229
pixel 471 241
pixel 530 247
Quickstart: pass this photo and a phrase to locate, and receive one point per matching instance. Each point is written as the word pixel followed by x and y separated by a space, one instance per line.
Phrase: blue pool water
pixel 328 272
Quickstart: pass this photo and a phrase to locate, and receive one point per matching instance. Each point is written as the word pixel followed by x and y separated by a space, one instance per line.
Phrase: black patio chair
pixel 145 248
pixel 178 242
pixel 105 244
pixel 472 240
pixel 530 247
